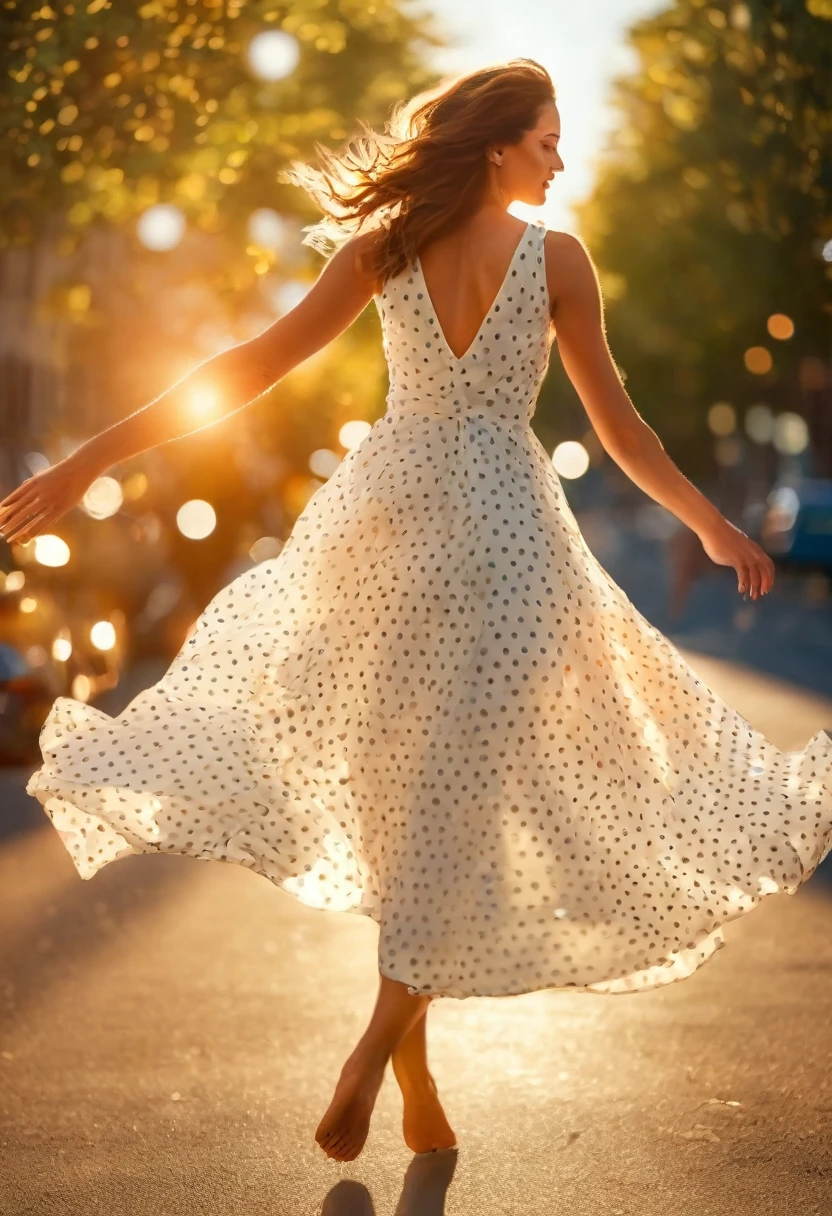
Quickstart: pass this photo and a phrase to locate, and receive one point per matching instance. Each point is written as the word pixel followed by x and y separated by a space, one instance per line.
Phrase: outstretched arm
pixel 236 377
pixel 635 446
pixel 240 375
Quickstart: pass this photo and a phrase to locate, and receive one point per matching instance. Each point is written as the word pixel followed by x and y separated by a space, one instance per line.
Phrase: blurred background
pixel 145 227
pixel 170 1033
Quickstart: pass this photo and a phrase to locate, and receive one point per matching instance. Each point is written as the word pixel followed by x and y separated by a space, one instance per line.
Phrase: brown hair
pixel 428 172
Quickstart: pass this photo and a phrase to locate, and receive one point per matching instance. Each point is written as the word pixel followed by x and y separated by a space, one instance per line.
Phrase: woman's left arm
pixel 633 445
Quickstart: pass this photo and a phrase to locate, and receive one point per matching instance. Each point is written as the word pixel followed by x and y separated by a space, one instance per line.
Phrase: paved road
pixel 171 1032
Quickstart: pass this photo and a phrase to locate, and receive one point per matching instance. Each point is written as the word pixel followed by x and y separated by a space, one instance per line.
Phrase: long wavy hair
pixel 428 171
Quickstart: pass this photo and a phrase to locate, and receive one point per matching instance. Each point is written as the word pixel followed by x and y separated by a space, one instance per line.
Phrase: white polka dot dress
pixel 435 708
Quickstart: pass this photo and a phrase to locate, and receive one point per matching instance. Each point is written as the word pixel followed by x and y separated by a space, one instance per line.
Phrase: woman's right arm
pixel 241 374
pixel 236 377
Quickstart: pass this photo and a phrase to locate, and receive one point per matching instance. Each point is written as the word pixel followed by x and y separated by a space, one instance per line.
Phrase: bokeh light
pixel 758 360
pixel 759 423
pixel 791 434
pixel 36 655
pixel 36 462
pixel 284 295
pixel 722 418
pixel 161 227
pixel 352 432
pixel 196 519
pixel 103 635
pixel 103 498
pixel 780 326
pixel 570 458
pixel 267 228
pixel 273 54
pixel 15 580
pixel 784 504
pixel 134 487
pixel 264 548
pixel 51 550
pixel 81 687
pixel 740 16
pixel 61 649
pixel 323 462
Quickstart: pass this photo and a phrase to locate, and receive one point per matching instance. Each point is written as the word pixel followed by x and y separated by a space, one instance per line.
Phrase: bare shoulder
pixel 568 264
pixel 359 248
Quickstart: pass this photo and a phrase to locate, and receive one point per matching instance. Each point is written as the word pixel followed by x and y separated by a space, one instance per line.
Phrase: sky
pixel 581 45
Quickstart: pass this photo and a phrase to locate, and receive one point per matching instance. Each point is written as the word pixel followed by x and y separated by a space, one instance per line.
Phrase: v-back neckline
pixel 469 349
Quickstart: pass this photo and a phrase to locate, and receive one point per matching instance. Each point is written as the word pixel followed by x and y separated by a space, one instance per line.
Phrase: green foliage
pixel 712 206
pixel 110 106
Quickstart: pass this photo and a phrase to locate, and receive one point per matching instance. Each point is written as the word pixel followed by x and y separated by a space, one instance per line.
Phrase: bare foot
pixel 342 1131
pixel 424 1123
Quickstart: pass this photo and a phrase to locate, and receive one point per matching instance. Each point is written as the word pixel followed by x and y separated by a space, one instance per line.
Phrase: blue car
pixel 797 525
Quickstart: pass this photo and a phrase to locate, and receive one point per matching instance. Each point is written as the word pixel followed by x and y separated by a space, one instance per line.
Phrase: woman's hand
pixel 43 498
pixel 728 546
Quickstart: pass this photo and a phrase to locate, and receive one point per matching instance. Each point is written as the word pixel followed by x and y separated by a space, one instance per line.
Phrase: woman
pixel 435 708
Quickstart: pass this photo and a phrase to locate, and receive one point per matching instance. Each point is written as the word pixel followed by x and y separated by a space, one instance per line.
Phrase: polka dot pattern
pixel 435 708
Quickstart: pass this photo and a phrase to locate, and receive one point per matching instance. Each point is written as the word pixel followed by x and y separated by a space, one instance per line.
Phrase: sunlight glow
pixel 204 400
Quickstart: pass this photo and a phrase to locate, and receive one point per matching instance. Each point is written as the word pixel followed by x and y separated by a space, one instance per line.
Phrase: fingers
pixel 19 498
pixel 22 529
pixel 11 518
pixel 757 577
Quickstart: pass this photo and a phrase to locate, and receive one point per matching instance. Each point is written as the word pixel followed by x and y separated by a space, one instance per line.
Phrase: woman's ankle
pixel 416 1083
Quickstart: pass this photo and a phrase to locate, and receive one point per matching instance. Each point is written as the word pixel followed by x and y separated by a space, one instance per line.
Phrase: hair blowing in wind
pixel 426 173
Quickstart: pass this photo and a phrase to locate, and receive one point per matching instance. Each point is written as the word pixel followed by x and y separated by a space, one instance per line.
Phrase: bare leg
pixel 344 1127
pixel 424 1123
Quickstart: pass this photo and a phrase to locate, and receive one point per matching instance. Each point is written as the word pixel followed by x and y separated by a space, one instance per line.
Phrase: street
pixel 172 1032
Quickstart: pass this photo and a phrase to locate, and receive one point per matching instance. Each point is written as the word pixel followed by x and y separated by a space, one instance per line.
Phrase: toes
pixel 334 1147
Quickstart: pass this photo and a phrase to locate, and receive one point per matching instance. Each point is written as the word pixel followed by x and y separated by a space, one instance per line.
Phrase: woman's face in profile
pixel 529 166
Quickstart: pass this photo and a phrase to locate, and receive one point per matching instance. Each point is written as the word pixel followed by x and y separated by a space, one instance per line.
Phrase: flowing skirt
pixel 435 708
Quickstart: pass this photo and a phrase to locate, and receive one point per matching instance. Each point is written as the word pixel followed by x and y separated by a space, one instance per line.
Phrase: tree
pixel 109 107
pixel 712 209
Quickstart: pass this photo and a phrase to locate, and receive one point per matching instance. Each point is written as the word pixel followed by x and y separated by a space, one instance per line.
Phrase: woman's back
pixel 465 271
pixel 498 374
